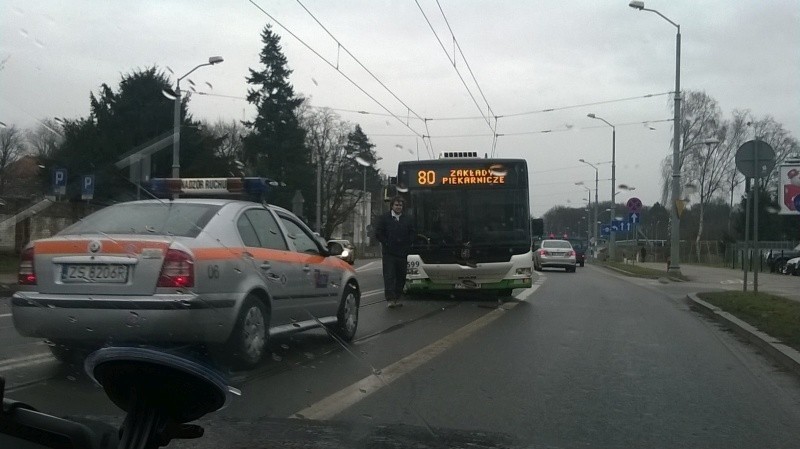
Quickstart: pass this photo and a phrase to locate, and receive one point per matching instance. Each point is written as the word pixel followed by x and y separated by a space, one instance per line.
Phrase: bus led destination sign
pixel 454 177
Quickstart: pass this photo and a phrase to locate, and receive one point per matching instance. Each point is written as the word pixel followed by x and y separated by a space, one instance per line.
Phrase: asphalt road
pixel 590 359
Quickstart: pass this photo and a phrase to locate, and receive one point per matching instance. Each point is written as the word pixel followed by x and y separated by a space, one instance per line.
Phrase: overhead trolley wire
pixel 335 67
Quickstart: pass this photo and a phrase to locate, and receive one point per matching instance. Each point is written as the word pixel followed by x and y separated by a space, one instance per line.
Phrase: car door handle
pixel 266 266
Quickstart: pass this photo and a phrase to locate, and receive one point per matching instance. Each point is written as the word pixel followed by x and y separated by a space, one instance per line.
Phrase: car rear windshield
pixel 174 219
pixel 556 244
pixel 578 244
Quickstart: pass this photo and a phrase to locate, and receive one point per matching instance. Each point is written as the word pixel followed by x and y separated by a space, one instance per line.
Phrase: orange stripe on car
pixel 107 246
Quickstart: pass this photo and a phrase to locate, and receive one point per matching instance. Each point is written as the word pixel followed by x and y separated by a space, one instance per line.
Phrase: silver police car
pixel 225 273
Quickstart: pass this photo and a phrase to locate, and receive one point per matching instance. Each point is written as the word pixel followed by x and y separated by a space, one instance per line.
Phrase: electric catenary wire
pixel 453 62
pixel 339 44
pixel 335 67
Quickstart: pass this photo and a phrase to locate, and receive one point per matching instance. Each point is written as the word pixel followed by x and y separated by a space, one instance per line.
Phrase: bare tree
pixel 229 135
pixel 326 137
pixel 12 146
pixel 700 118
pixel 44 139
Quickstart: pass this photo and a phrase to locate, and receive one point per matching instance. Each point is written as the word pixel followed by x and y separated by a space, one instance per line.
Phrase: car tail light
pixel 27 274
pixel 572 253
pixel 543 252
pixel 177 271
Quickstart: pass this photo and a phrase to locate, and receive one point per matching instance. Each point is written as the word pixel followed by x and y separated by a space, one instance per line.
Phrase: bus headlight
pixel 524 271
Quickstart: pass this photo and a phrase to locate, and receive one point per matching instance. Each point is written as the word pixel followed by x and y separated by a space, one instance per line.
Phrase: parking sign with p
pixel 60 181
pixel 87 187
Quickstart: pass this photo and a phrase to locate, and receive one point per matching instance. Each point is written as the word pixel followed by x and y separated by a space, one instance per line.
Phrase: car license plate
pixel 467 285
pixel 114 274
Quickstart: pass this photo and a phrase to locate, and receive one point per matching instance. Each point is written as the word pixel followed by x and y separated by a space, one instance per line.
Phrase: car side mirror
pixel 335 249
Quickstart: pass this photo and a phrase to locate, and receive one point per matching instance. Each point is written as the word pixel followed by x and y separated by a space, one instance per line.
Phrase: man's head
pixel 397 204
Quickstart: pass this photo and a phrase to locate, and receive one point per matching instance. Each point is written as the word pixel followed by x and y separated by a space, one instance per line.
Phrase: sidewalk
pixel 730 279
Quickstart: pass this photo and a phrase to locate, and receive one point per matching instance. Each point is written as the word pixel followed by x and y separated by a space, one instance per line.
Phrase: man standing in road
pixel 395 231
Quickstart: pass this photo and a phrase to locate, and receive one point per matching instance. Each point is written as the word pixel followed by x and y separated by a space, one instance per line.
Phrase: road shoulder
pixel 781 353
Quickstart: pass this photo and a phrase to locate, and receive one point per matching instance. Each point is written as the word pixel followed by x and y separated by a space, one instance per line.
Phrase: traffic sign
pixel 60 181
pixel 747 155
pixel 633 217
pixel 620 226
pixel 634 204
pixel 87 187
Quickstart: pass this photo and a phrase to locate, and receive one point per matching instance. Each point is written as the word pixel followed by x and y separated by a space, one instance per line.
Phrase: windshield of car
pixel 183 220
pixel 214 180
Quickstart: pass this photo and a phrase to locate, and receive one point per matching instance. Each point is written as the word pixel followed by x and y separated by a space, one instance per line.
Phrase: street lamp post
pixel 589 192
pixel 176 136
pixel 596 179
pixel 611 246
pixel 675 220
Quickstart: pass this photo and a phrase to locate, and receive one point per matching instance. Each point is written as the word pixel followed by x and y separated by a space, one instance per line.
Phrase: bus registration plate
pixel 463 285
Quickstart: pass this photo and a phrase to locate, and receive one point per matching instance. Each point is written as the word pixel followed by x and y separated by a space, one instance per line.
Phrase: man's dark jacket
pixel 395 235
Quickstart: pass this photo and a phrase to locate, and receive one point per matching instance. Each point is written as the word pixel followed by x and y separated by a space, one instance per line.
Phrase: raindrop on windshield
pixel 234 391
pixel 150 229
pixel 3 125
pixel 72 319
pixel 367 416
pixel 377 371
pixel 308 355
pixel 402 189
pixel 169 94
pixel 170 70
pixel 363 390
pixel 23 32
pixel 71 378
pixel 49 343
pixel 237 269
pixel 39 43
pixel 276 357
pixel 89 329
pixel 285 346
pixel 314 81
pixel 209 85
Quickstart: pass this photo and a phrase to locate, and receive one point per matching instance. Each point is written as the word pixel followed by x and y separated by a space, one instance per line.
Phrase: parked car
pixel 226 274
pixel 777 258
pixel 554 254
pixel 792 266
pixel 349 253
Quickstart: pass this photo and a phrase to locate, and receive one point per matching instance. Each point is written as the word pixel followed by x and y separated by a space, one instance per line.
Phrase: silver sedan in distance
pixel 554 254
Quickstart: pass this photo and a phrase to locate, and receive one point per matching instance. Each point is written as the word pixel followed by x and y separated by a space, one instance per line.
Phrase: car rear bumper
pixel 174 318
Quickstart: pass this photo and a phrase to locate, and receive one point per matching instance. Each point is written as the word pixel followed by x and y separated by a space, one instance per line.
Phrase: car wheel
pixel 248 342
pixel 347 316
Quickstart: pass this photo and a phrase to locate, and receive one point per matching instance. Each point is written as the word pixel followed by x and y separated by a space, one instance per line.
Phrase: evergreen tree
pixel 275 147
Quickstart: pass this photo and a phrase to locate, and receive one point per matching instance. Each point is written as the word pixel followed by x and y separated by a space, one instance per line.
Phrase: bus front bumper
pixel 425 284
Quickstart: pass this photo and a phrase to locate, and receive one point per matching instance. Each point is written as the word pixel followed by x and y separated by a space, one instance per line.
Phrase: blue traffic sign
pixel 87 187
pixel 60 181
pixel 620 226
pixel 634 217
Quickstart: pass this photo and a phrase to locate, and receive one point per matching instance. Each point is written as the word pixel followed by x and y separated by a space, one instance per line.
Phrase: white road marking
pixel 368 266
pixel 372 293
pixel 22 362
pixel 5 315
pixel 334 404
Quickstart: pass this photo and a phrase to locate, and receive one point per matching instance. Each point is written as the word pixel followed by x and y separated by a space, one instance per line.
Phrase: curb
pixel 628 273
pixel 781 353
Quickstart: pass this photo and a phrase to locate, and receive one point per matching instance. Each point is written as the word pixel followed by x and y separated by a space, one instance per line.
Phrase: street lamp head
pixel 636 5
pixel 215 60
pixel 591 115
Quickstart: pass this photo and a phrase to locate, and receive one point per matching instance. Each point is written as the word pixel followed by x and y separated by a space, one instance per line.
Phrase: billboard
pixel 789 189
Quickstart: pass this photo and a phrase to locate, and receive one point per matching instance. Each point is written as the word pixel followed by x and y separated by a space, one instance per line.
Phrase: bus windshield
pixel 455 217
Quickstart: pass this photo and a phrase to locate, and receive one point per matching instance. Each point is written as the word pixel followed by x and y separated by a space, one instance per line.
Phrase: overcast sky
pixel 526 56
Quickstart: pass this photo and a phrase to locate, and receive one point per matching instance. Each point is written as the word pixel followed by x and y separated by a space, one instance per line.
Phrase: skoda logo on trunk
pixel 94 246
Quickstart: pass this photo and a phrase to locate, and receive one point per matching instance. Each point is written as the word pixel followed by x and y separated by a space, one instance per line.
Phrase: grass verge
pixel 643 272
pixel 775 315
